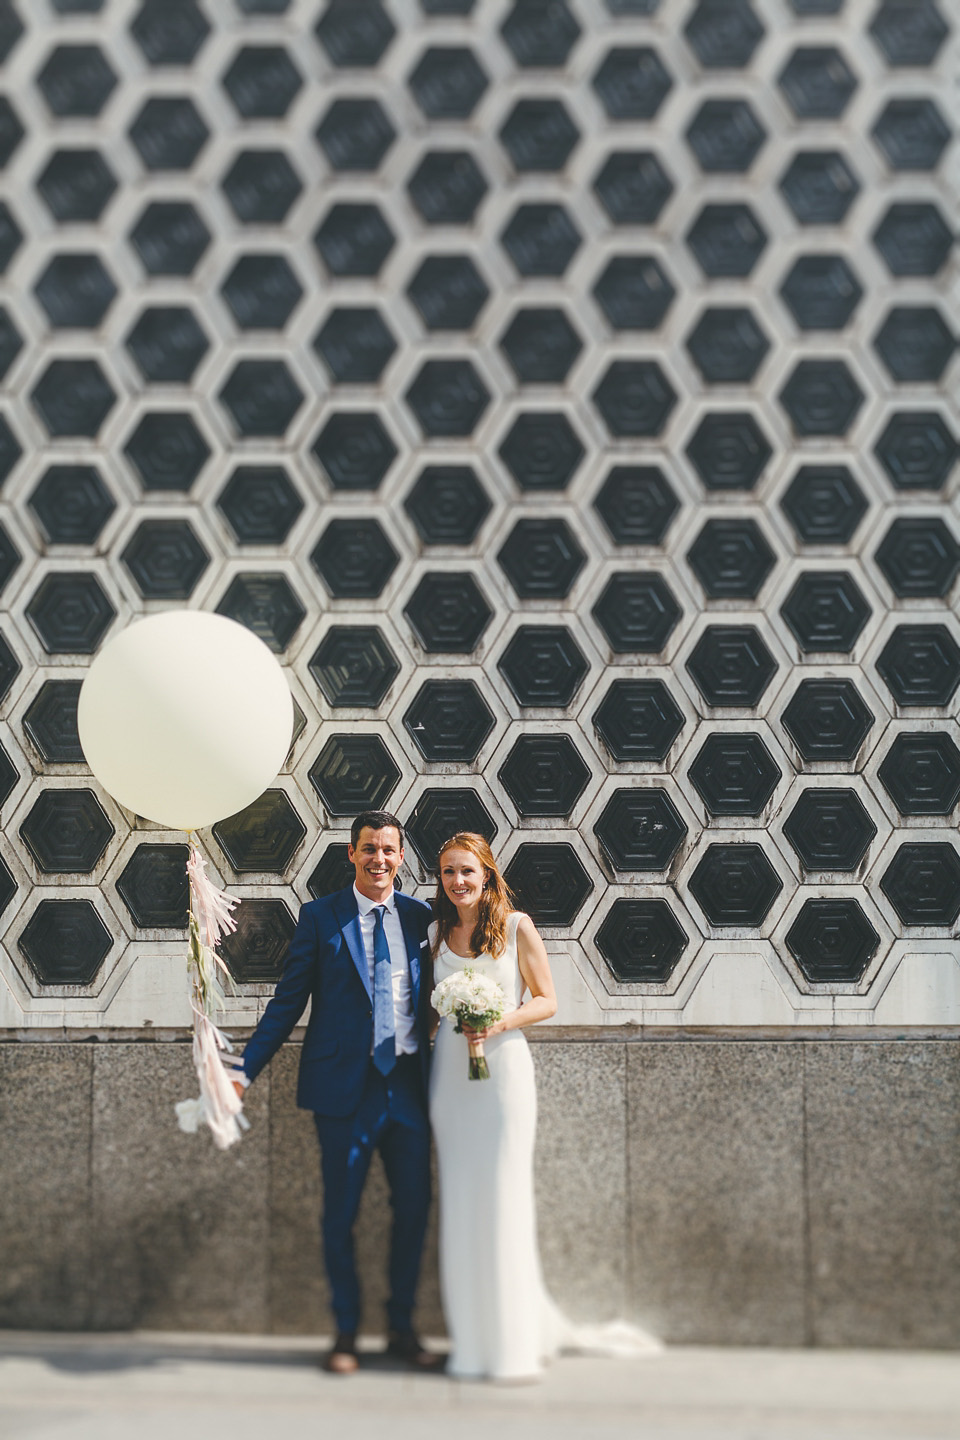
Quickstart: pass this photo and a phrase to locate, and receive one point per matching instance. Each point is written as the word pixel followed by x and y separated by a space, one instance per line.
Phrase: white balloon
pixel 185 718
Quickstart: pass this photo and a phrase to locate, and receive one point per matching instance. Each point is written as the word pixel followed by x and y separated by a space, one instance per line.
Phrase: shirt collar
pixel 365 905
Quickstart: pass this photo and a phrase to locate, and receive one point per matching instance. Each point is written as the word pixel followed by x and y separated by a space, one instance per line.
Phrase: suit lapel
pixel 348 916
pixel 412 940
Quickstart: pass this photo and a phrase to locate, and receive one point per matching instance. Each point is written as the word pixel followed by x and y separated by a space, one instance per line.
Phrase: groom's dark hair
pixel 374 820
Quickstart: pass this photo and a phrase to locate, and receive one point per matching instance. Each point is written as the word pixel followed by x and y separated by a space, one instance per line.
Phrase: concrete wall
pixel 779 1191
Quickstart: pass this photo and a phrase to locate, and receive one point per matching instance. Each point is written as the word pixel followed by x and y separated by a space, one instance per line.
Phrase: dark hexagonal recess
pixel 154 887
pixel 726 240
pixel 912 134
pixel 169 133
pixel 917 450
pixel 735 885
pixel 448 720
pixel 168 343
pixel 637 612
pixel 819 186
pixel 541 345
pixel 640 829
pixel 76 185
pixel 641 941
pixel 541 239
pixel 915 343
pixel 262 81
pixel 354 33
pixel 827 720
pixel 724 33
pixel 725 136
pixel 11 236
pixel 449 292
pixel 727 345
pixel 636 504
pixel 447 397
pixel 447 187
pixel 262 397
pixel 255 952
pixel 824 504
pixel 832 941
pixel 262 292
pixel 265 604
pixel 919 556
pixel 11 342
pixel 448 613
pixel 635 398
pixel 548 882
pixel 731 558
pixel 66 831
pixel 921 773
pixel 544 775
pixel 821 292
pixel 633 187
pixel 447 82
pixel 50 720
pixel 167 451
pixel 260 504
pixel 922 884
pixel 821 397
pixel 447 504
pixel 539 135
pixel 817 82
pixel 542 451
pixel 638 720
pixel 354 239
pixel 438 814
pixel 70 613
pixel 264 837
pixel 729 451
pixel 65 942
pixel 165 559
pixel 71 504
pixel 10 558
pixel 170 32
pixel 826 611
pixel 76 80
pixel 731 665
pixel 332 872
pixel 734 774
pixel 354 558
pixel 354 667
pixel 920 665
pixel 829 829
pixel 170 238
pixel 261 187
pixel 543 665
pixel 11 131
pixel 73 398
pixel 914 239
pixel 355 134
pixel 10 449
pixel 11 29
pixel 634 292
pixel 911 33
pixel 541 558
pixel 76 291
pixel 632 83
pixel 9 668
pixel 354 450
pixel 539 35
pixel 8 779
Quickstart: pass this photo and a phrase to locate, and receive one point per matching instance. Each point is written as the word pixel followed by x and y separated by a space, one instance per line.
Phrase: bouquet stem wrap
pixel 475 1001
pixel 218 1105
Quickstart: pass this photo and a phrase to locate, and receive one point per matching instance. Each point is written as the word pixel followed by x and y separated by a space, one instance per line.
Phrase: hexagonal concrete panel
pixel 169 133
pixel 819 186
pixel 539 135
pixel 826 611
pixel 440 813
pixel 731 559
pixel 727 240
pixel 632 83
pixel 260 503
pixel 914 239
pixel 723 33
pixel 50 721
pixel 638 720
pixel 920 665
pixel 262 397
pixel 922 883
pixel 917 450
pixel 447 397
pixel 66 831
pixel 549 882
pixel 76 184
pixel 915 343
pixel 354 239
pixel 824 504
pixel 448 291
pixel 264 837
pixel 448 720
pixel 544 775
pixel 447 505
pixel 919 556
pixel 354 36
pixel 76 81
pixel 354 666
pixel 642 941
pixel 912 134
pixel 170 237
pixel 75 291
pixel 909 34
pixel 256 950
pixel 354 772
pixel 262 186
pixel 633 187
pixel 65 942
pixel 729 451
pixel 70 613
pixel 448 82
pixel 167 450
pixel 634 292
pixel 332 872
pixel 73 398
pixel 266 604
pixel 735 885
pixel 170 32
pixel 817 82
pixel 153 886
pixel 635 398
pixel 542 451
pixel 726 136
pixel 829 829
pixel 832 941
pixel 637 612
pixel 447 187
pixel 262 292
pixel 540 36
pixel 448 613
pixel 541 559
pixel 262 81
pixel 821 292
pixel 731 665
pixel 168 343
pixel 821 397
pixel 354 450
pixel 543 665
pixel 734 774
pixel 921 773
pixel 827 719
pixel 355 134
pixel 354 558
pixel 165 559
pixel 71 504
pixel 728 345
pixel 640 829
pixel 541 239
pixel 541 345
pixel 637 504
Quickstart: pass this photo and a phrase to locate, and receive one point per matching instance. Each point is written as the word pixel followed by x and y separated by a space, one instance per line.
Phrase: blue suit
pixel 356 1109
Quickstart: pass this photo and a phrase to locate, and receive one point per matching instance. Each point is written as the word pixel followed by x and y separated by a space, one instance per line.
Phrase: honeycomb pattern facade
pixel 567 395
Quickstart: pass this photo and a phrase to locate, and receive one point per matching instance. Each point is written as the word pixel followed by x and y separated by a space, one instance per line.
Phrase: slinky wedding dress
pixel 502 1323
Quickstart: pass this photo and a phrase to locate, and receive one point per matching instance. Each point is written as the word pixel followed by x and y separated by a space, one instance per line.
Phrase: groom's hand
pixel 238 1087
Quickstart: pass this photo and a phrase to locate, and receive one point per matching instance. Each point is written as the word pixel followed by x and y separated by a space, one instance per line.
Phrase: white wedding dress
pixel 501 1320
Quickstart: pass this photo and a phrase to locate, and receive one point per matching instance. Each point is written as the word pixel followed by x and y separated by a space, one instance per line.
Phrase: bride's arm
pixel 535 969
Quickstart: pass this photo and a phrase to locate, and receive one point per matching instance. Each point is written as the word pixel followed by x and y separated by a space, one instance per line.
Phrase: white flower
pixel 469 997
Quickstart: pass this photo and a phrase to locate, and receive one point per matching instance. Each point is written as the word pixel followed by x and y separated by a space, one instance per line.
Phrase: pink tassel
pixel 211 906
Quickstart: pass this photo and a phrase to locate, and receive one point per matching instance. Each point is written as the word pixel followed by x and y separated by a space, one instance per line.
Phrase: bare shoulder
pixel 525 926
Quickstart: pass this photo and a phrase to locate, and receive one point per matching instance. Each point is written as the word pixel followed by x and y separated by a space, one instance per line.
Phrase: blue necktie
pixel 384 1051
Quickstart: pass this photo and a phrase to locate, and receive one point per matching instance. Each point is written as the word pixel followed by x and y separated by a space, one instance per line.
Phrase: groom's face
pixel 376 858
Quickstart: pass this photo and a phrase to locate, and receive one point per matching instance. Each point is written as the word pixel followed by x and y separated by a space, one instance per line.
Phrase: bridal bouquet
pixel 474 1000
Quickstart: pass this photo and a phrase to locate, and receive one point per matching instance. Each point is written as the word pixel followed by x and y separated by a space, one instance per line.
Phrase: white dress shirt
pixel 405 1037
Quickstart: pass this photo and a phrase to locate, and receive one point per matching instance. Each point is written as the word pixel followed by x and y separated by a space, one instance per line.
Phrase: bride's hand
pixel 474 1035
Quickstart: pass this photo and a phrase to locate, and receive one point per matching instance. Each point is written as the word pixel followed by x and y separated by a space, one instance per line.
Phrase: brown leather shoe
pixel 342 1359
pixel 404 1345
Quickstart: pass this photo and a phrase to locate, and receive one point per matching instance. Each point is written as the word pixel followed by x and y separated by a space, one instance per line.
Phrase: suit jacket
pixel 327 965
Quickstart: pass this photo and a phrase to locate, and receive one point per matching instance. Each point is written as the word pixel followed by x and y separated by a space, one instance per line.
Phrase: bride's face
pixel 462 877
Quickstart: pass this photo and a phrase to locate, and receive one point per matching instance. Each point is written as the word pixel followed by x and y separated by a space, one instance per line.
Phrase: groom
pixel 357 956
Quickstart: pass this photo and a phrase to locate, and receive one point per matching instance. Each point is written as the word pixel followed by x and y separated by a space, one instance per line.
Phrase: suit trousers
pixel 392 1118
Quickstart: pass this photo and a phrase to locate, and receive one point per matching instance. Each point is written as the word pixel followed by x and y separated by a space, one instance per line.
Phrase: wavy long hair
pixel 496 903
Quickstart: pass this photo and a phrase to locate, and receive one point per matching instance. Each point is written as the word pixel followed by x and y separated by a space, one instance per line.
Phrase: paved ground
pixel 176 1387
